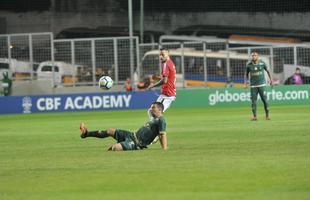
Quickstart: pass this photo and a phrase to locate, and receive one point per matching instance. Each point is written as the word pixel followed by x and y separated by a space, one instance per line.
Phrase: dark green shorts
pixel 257 90
pixel 126 139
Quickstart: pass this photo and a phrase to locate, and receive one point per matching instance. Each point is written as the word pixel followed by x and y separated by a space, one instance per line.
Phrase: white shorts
pixel 165 100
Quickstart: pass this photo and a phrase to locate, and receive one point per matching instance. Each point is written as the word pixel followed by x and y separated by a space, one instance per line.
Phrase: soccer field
pixel 214 153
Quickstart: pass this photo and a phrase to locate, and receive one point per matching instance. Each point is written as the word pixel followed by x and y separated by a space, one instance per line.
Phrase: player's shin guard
pixel 98 134
pixel 254 108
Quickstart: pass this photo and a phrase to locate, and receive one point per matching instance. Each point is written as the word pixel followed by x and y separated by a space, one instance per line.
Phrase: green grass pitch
pixel 214 153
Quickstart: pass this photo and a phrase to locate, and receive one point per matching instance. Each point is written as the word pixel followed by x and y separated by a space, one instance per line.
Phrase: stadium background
pixel 62 21
pixel 274 14
pixel 215 151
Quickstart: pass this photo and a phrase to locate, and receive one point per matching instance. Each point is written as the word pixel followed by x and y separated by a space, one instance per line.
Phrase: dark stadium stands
pixel 105 31
pixel 227 31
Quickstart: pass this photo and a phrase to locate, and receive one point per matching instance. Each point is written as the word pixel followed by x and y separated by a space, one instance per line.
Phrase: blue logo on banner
pixel 27 104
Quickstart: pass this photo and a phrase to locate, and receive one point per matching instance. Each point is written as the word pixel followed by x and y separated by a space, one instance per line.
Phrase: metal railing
pixel 204 62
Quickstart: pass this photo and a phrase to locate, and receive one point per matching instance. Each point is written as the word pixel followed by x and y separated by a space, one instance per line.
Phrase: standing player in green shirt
pixel 255 73
pixel 127 140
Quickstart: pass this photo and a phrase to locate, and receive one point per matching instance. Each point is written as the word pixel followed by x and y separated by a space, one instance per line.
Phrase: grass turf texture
pixel 214 153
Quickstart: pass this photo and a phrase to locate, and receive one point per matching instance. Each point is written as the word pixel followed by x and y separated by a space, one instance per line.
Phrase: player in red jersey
pixel 167 80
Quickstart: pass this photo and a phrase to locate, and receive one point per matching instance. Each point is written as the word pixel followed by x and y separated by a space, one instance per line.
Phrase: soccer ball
pixel 105 82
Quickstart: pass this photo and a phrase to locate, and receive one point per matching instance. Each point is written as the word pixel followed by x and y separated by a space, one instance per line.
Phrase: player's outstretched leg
pixel 85 133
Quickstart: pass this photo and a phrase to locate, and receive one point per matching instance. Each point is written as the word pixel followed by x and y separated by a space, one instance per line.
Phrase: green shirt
pixel 147 133
pixel 257 74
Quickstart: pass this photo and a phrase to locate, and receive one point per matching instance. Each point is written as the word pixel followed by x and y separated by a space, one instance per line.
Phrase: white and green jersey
pixel 257 73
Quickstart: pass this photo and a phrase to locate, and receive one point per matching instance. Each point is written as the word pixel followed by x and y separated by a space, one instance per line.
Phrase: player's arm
pixel 156 77
pixel 163 140
pixel 246 77
pixel 162 81
pixel 269 76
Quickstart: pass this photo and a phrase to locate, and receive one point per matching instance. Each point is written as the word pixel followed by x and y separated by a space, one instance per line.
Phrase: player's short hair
pixel 254 52
pixel 164 49
pixel 159 105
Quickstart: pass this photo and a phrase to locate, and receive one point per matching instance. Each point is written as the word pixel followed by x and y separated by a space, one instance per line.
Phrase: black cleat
pixel 254 119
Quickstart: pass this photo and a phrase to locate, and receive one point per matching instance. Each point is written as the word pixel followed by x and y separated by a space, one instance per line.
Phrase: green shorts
pixel 257 90
pixel 126 139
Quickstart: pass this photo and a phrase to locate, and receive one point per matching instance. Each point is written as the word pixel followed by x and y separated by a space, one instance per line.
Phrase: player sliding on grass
pixel 127 140
pixel 255 72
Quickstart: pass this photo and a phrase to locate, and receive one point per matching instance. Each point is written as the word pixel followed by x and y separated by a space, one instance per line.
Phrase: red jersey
pixel 168 70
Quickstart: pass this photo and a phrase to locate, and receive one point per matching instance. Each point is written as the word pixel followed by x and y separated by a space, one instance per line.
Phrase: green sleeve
pixel 162 125
pixel 247 71
pixel 265 65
